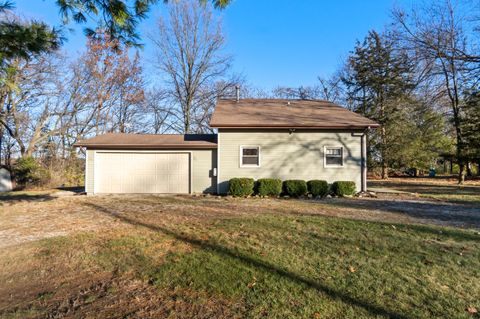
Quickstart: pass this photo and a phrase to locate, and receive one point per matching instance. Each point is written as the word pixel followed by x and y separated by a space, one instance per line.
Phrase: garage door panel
pixel 142 172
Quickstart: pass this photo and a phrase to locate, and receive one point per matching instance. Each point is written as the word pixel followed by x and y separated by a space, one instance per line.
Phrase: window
pixel 334 156
pixel 249 156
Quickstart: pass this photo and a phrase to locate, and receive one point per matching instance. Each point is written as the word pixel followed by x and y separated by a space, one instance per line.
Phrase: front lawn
pixel 182 257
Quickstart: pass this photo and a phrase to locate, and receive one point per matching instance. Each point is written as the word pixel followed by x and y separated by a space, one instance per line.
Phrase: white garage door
pixel 141 172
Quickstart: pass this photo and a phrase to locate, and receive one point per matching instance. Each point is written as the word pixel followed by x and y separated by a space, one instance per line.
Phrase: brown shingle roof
pixel 150 141
pixel 277 113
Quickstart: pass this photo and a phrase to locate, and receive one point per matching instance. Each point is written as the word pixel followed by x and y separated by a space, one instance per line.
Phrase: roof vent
pixel 237 92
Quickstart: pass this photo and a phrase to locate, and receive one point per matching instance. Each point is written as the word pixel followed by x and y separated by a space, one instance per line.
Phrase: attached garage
pixel 142 172
pixel 150 164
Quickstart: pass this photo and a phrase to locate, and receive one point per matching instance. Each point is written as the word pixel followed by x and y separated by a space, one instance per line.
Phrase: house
pixel 257 138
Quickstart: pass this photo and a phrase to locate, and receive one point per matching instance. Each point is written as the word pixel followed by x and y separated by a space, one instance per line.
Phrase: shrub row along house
pixel 257 138
pixel 272 187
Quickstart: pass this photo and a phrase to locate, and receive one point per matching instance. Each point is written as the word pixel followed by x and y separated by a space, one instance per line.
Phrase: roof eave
pixel 144 147
pixel 330 127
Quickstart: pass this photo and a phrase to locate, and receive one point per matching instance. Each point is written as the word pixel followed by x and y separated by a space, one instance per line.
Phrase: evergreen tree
pixel 119 18
pixel 419 137
pixel 379 80
pixel 471 126
pixel 19 39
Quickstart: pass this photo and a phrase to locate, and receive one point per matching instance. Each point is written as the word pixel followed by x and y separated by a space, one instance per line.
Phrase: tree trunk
pixel 461 173
pixel 461 162
pixel 1 144
pixel 384 162
pixel 186 117
pixel 469 169
pixel 384 170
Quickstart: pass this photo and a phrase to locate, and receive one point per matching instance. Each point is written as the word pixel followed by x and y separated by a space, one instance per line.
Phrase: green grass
pixel 446 191
pixel 455 198
pixel 290 266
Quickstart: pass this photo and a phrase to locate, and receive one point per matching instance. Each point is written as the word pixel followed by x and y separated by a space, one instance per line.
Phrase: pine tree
pixel 378 79
pixel 471 126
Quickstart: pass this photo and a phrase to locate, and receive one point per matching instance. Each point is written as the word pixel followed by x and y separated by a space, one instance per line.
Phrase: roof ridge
pixel 293 113
pixel 273 99
pixel 154 134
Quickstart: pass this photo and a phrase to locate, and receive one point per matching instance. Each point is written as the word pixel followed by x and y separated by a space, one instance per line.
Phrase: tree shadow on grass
pixel 72 189
pixel 427 229
pixel 12 197
pixel 441 213
pixel 426 189
pixel 255 262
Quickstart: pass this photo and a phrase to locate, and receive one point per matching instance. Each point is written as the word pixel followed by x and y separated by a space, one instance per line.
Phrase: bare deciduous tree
pixel 29 105
pixel 106 89
pixel 327 88
pixel 299 93
pixel 436 37
pixel 331 89
pixel 189 53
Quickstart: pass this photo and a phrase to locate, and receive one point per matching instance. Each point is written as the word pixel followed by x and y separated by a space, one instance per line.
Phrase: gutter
pixel 143 147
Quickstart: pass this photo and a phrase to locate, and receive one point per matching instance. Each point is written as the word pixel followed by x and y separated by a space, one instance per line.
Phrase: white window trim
pixel 325 157
pixel 241 155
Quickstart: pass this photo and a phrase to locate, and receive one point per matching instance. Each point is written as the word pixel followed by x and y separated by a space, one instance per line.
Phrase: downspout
pixel 364 160
pixel 218 162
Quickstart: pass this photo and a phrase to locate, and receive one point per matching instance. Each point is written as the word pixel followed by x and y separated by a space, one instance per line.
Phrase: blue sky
pixel 274 42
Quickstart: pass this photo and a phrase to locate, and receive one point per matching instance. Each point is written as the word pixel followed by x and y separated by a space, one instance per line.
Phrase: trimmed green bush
pixel 269 187
pixel 241 187
pixel 28 171
pixel 342 188
pixel 318 188
pixel 295 187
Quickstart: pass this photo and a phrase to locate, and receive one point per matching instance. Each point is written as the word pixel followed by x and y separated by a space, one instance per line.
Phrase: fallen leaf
pixel 352 269
pixel 316 315
pixel 472 310
pixel 252 283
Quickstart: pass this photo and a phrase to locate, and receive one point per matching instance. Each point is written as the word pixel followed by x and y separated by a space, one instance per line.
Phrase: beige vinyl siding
pixel 202 164
pixel 299 155
pixel 89 169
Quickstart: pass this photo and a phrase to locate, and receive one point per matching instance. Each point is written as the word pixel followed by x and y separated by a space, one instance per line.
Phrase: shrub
pixel 342 188
pixel 318 188
pixel 295 187
pixel 269 187
pixel 28 171
pixel 241 186
pixel 73 176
